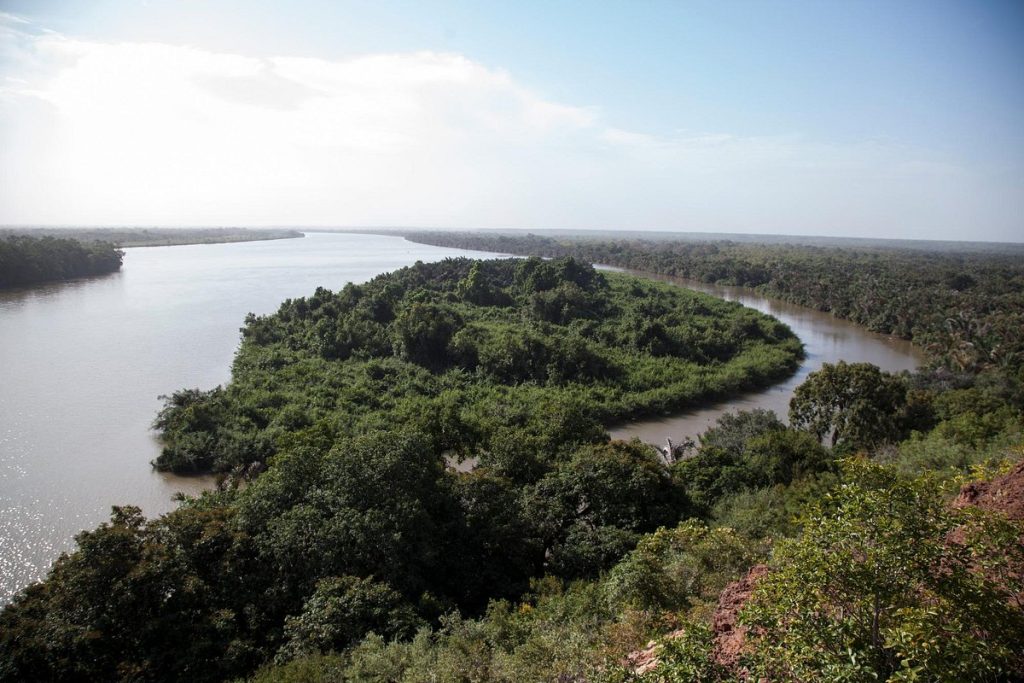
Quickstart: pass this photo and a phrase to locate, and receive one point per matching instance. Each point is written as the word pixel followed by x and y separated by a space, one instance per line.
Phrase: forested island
pixel 155 237
pixel 877 536
pixel 965 308
pixel 488 359
pixel 29 260
pixel 31 256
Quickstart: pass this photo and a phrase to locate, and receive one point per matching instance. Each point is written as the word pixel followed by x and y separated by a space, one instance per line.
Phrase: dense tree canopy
pixel 966 309
pixel 500 360
pixel 343 414
pixel 29 260
pixel 854 404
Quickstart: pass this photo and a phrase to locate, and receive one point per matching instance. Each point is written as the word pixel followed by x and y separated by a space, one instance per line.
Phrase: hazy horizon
pixel 866 120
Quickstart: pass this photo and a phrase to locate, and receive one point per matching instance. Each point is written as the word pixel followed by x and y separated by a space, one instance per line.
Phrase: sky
pixel 899 119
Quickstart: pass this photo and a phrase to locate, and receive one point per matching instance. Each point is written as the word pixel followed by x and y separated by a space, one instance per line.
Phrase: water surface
pixel 82 364
pixel 826 339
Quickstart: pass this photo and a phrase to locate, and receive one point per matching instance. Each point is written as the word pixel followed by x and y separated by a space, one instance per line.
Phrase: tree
pixel 858 404
pixel 423 331
pixel 344 609
pixel 879 588
pixel 590 510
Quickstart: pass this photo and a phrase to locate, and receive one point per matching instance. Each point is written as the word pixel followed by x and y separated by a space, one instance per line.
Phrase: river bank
pixel 826 338
pixel 85 361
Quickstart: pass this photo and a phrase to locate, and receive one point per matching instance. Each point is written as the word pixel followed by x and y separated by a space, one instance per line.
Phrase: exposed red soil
pixel 729 634
pixel 1003 494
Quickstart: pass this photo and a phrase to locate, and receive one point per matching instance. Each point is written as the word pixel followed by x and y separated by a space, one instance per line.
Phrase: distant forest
pixel 965 309
pixel 154 237
pixel 29 260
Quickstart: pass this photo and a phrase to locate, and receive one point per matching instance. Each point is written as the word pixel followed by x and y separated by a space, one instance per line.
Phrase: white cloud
pixel 145 133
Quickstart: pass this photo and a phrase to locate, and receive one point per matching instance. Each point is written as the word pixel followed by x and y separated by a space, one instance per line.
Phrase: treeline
pixel 966 310
pixel 155 237
pixel 28 260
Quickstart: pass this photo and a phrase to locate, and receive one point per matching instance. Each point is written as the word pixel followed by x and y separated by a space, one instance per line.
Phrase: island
pixel 30 260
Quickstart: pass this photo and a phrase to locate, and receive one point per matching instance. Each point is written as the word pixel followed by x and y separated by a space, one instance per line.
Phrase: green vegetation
pixel 875 589
pixel 504 361
pixel 28 261
pixel 965 309
pixel 342 547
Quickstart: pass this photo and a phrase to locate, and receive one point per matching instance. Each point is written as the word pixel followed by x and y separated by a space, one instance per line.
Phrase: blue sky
pixel 895 119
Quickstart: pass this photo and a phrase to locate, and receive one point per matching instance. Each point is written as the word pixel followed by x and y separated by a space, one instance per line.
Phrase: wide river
pixel 82 365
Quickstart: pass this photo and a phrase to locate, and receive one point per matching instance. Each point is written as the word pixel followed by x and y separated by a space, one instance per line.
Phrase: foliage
pixel 341 611
pixel 481 356
pixel 30 260
pixel 854 404
pixel 342 546
pixel 877 589
pixel 589 510
pixel 688 658
pixel 744 451
pixel 966 309
pixel 771 511
pixel 678 569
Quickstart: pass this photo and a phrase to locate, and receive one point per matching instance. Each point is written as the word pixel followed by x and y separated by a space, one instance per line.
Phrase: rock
pixel 1003 494
pixel 729 634
pixel 645 660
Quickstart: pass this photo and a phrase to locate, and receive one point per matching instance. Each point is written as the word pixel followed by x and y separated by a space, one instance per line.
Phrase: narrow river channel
pixel 826 339
pixel 82 365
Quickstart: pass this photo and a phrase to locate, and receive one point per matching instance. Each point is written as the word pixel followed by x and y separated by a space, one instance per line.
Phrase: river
pixel 82 364
pixel 826 339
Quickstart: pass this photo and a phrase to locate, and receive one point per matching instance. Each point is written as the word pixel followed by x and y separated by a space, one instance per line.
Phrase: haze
pixel 856 119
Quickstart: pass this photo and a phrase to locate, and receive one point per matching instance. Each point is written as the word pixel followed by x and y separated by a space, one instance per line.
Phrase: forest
pixel 154 237
pixel 966 309
pixel 30 260
pixel 876 536
pixel 486 359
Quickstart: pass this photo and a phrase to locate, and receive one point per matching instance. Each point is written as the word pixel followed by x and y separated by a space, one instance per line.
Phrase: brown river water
pixel 82 365
pixel 826 339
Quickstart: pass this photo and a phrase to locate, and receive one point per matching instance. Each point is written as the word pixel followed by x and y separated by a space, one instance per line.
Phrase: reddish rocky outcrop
pixel 730 635
pixel 1003 494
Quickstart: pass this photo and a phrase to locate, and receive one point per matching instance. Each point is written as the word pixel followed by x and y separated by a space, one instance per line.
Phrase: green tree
pixel 856 403
pixel 341 611
pixel 590 510
pixel 879 587
pixel 422 333
pixel 674 569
